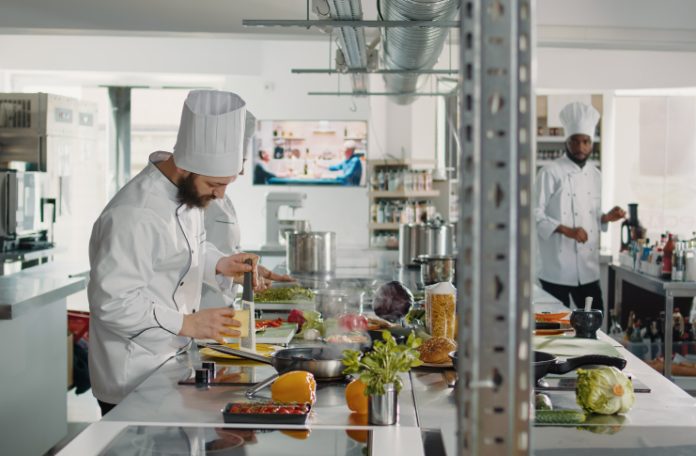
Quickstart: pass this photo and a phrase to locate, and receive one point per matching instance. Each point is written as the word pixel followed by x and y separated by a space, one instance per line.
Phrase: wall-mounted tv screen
pixel 310 152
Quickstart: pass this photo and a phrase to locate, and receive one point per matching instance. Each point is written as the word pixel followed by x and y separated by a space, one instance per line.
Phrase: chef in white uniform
pixel 149 255
pixel 568 213
pixel 223 231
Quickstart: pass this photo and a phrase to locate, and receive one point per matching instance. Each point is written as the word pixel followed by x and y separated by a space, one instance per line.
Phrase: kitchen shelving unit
pixel 388 231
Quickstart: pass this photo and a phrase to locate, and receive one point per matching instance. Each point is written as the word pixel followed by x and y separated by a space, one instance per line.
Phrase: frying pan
pixel 324 362
pixel 546 363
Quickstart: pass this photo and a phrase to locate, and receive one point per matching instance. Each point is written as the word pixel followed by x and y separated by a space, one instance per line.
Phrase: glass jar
pixel 440 309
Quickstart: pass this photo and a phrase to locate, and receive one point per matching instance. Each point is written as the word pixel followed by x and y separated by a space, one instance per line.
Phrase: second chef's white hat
pixel 579 119
pixel 350 144
pixel 211 134
pixel 249 130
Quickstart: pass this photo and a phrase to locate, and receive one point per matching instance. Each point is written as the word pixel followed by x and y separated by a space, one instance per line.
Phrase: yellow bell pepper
pixel 295 386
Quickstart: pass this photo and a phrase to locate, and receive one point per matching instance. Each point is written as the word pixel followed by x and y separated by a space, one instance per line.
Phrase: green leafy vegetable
pixel 604 390
pixel 415 317
pixel 313 320
pixel 282 294
pixel 383 364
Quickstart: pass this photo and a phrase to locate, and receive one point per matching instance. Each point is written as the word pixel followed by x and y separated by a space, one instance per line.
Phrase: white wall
pixel 260 72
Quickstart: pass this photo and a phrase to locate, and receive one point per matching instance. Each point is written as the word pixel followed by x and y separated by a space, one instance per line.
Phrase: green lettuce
pixel 604 390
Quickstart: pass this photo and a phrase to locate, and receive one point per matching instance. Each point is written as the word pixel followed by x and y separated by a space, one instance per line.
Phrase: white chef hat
pixel 579 119
pixel 350 144
pixel 249 130
pixel 211 133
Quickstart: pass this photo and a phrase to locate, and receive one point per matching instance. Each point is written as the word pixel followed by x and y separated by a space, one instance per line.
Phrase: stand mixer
pixel 274 201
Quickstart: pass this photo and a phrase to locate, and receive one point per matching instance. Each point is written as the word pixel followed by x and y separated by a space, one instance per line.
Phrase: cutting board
pixel 277 336
pixel 567 347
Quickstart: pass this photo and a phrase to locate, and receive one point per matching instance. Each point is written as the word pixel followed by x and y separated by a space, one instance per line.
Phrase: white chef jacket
pixel 569 195
pixel 148 256
pixel 222 230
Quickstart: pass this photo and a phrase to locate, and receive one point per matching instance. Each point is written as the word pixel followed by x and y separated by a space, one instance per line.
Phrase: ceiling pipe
pixel 412 48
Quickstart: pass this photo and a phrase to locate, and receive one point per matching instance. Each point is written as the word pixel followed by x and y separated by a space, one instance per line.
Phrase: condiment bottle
pixel 667 258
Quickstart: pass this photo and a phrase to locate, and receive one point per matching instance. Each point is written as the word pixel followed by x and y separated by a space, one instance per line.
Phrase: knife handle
pixel 248 292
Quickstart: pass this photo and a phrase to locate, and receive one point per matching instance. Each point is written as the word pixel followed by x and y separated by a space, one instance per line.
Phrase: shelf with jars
pixel 399 192
pixel 550 139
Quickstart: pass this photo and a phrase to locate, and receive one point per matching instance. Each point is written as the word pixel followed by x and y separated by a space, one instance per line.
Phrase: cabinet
pixel 399 191
pixel 550 136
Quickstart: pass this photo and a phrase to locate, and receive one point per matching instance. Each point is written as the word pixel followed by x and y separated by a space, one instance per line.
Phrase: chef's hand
pixel 235 267
pixel 272 276
pixel 578 234
pixel 613 215
pixel 210 324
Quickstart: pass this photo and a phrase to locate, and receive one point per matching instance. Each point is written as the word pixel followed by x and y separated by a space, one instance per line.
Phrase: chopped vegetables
pixel 604 390
pixel 284 294
pixel 263 324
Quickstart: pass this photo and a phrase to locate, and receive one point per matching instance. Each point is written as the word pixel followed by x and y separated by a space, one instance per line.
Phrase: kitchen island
pixel 33 334
pixel 662 421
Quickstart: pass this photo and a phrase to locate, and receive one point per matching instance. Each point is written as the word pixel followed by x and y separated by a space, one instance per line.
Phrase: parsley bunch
pixel 383 364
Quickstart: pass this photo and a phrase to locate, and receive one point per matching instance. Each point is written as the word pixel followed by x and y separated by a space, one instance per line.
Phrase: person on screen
pixel 261 172
pixel 351 167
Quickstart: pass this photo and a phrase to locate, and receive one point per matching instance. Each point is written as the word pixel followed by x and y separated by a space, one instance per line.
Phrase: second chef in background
pixel 569 216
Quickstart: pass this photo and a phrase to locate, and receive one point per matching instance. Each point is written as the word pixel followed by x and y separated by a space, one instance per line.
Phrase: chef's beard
pixel 575 160
pixel 188 195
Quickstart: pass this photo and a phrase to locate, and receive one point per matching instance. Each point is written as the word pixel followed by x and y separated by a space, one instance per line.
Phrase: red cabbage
pixel 392 301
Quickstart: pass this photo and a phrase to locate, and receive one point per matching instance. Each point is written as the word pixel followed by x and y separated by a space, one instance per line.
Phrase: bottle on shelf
pixel 381 180
pixel 679 262
pixel 667 258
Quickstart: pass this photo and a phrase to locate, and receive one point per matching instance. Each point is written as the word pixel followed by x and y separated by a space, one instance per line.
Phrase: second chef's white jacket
pixel 569 195
pixel 222 230
pixel 148 256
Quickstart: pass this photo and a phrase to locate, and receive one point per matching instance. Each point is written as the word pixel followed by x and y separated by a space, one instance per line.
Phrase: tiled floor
pixel 83 410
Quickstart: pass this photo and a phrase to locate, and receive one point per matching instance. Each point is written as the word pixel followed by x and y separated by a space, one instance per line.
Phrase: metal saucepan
pixel 546 363
pixel 325 362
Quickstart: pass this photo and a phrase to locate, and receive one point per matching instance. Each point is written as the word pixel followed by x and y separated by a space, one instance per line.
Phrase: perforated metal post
pixel 494 269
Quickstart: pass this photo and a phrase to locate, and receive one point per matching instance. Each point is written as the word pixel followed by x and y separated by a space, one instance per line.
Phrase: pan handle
pixel 578 361
pixel 253 391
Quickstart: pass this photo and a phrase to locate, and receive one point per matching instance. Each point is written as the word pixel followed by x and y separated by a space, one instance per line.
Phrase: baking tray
pixel 263 418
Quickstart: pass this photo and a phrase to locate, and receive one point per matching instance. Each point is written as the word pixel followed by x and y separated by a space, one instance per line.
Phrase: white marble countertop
pixel 660 420
pixel 31 288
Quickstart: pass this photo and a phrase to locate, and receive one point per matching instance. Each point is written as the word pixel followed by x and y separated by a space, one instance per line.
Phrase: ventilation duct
pixel 352 53
pixel 412 48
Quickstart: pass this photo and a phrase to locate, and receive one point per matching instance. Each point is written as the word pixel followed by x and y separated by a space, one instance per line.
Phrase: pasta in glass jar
pixel 440 309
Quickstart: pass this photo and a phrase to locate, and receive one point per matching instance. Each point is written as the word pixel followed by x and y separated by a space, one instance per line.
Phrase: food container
pixel 440 309
pixel 286 226
pixel 266 413
pixel 332 302
pixel 413 241
pixel 311 253
pixel 436 268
